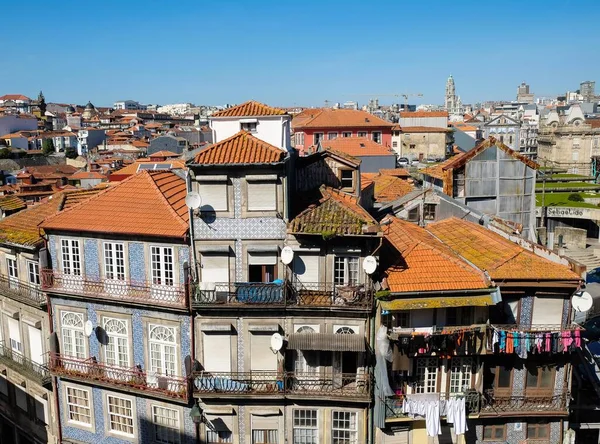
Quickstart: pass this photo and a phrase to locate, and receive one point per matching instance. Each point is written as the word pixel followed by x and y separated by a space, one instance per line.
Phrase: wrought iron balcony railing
pixel 22 292
pixel 23 364
pixel 297 295
pixel 494 403
pixel 174 387
pixel 150 293
pixel 394 404
pixel 346 385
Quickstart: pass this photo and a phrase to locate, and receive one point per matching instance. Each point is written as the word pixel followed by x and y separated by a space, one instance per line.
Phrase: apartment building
pixel 121 333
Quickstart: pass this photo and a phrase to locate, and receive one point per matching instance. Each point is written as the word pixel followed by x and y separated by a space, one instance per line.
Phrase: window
pixel 71 257
pixel 346 134
pixel 305 428
pixel 218 437
pixel 14 333
pixel 114 261
pixel 461 370
pixel 262 196
pixel 307 361
pixel 362 134
pixel 116 351
pixel 539 378
pixel 429 211
pixel 162 349
pixel 345 270
pixel 427 369
pixel 317 137
pixel 264 436
pixel 538 430
pixel 213 195
pixel 33 269
pixel 412 146
pixel 21 398
pixel 120 415
pixel 413 214
pixel 249 126
pixel 332 136
pixel 376 136
pixel 11 265
pixel 503 381
pixel 166 425
pixel 459 315
pixel 394 144
pixel 78 406
pixel 347 179
pixel 162 266
pixel 72 334
pixel 344 428
pixel 300 138
pixel 494 432
pixel 401 319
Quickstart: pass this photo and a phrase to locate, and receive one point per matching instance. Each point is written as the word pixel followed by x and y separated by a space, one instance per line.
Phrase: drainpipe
pixel 371 420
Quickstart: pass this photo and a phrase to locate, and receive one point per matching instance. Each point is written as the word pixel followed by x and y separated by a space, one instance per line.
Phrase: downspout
pixel 371 419
pixel 188 180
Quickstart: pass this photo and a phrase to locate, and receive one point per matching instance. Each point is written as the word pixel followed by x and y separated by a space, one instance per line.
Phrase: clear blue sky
pixel 294 52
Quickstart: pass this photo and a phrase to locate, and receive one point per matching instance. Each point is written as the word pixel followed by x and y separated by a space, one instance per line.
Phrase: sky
pixel 295 53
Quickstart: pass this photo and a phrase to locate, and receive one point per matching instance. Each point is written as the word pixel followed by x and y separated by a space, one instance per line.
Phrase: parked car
pixel 402 161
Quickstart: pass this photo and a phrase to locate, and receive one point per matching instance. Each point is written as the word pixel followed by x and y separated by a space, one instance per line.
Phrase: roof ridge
pixel 166 201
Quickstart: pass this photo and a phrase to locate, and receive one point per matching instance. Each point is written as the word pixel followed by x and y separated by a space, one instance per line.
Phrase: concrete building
pixel 422 135
pixel 11 123
pixel 17 103
pixel 587 90
pixel 505 129
pixel 178 145
pixel 88 139
pixel 129 105
pixel 523 94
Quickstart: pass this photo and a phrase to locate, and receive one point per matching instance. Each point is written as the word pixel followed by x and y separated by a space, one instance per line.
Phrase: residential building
pixel 492 179
pixel 119 306
pixel 314 126
pixel 167 142
pixel 88 139
pixel 444 331
pixel 269 124
pixel 11 123
pixel 146 165
pixel 523 94
pixel 587 90
pixel 452 102
pixel 87 179
pixel 16 103
pixel 373 156
pixel 129 105
pixel 505 129
pixel 422 135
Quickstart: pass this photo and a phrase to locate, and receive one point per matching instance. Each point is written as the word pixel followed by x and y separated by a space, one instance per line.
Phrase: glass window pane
pixel 503 377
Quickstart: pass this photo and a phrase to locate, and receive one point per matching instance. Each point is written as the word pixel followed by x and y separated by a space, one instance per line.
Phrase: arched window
pixel 305 329
pixel 163 354
pixel 73 337
pixel 116 351
pixel 306 361
pixel 344 331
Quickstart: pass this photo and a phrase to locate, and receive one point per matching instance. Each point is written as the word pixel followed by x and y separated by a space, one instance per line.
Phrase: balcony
pixel 146 293
pixel 500 404
pixel 90 370
pixel 297 295
pixel 22 292
pixel 351 386
pixel 393 404
pixel 24 365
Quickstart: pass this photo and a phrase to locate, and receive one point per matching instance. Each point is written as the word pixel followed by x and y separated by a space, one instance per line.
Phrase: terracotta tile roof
pixel 366 179
pixel 87 175
pixel 357 147
pixel 425 263
pixel 458 161
pixel 14 97
pixel 396 172
pixel 147 204
pixel 501 258
pixel 338 118
pixel 163 153
pixel 595 123
pixel 389 188
pixel 10 203
pixel 424 129
pixel 409 114
pixel 72 198
pixel 22 228
pixel 240 149
pixel 250 109
pixel 133 168
pixel 336 213
pixel 437 171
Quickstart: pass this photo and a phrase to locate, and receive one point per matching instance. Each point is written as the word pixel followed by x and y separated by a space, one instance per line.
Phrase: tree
pixel 575 197
pixel 71 153
pixel 48 147
pixel 4 153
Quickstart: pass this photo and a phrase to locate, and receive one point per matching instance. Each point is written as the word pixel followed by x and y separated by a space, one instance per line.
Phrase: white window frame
pixel 166 433
pixel 266 434
pixel 362 134
pixel 251 127
pixel 342 171
pixel 378 135
pixel 319 136
pixel 332 135
pixel 461 374
pixel 160 350
pixel 427 372
pixel 33 273
pixel 73 335
pixel 161 274
pixel 116 351
pixel 307 433
pixel 12 268
pixel 72 407
pixel 300 364
pixel 345 435
pixel 71 257
pixel 113 254
pixel 109 402
pixel 261 206
pixel 348 261
pixel 346 133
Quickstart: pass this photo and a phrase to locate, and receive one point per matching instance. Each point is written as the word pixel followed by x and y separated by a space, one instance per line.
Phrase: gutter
pixel 444 292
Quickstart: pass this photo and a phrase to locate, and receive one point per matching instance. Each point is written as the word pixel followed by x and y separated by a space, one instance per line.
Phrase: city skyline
pixel 293 55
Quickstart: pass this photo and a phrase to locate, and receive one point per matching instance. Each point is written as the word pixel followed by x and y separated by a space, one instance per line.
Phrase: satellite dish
pixel 88 328
pixel 276 341
pixel 193 200
pixel 287 255
pixel 370 264
pixel 582 301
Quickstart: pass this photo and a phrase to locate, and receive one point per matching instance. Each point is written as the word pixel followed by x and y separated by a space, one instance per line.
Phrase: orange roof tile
pixel 424 129
pixel 595 123
pixel 425 263
pixel 147 204
pixel 14 97
pixel 133 168
pixel 389 188
pixel 458 161
pixel 87 175
pixel 501 258
pixel 337 118
pixel 239 149
pixel 409 114
pixel 163 153
pixel 437 171
pixel 396 172
pixel 10 203
pixel 250 109
pixel 366 179
pixel 357 146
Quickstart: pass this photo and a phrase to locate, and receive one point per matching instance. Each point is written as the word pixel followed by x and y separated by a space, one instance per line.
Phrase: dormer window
pixel 249 125
pixel 347 179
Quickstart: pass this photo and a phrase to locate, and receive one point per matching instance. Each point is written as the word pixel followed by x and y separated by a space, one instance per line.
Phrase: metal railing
pixel 495 403
pixel 312 294
pixel 394 404
pixel 21 291
pixel 23 364
pixel 347 385
pixel 126 377
pixel 537 327
pixel 150 293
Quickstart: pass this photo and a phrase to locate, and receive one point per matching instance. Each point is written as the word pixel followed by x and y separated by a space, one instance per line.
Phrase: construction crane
pixel 405 95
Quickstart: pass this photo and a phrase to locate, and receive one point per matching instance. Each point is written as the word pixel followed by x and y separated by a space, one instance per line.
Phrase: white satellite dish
pixel 287 255
pixel 582 301
pixel 276 341
pixel 88 328
pixel 370 264
pixel 193 200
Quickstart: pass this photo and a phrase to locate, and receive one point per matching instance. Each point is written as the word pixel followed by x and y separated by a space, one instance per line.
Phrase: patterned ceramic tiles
pixel 91 260
pixel 519 381
pixel 250 228
pixel 565 313
pixel 240 344
pixel 184 256
pixel 526 310
pixel 137 269
pixel 239 272
pixel 242 424
pixel 93 340
pixel 237 197
pixel 52 251
pixel 559 380
pixel 138 338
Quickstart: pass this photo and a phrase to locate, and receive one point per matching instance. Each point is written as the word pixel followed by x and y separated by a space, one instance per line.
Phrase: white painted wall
pixel 12 124
pixel 437 122
pixel 272 129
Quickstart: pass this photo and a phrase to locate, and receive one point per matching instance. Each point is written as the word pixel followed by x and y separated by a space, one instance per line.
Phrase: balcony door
pixel 13 274
pixel 539 380
pixel 163 274
pixel 116 351
pixel 72 278
pixel 262 267
pixel 163 355
pixel 345 363
pixel 114 269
